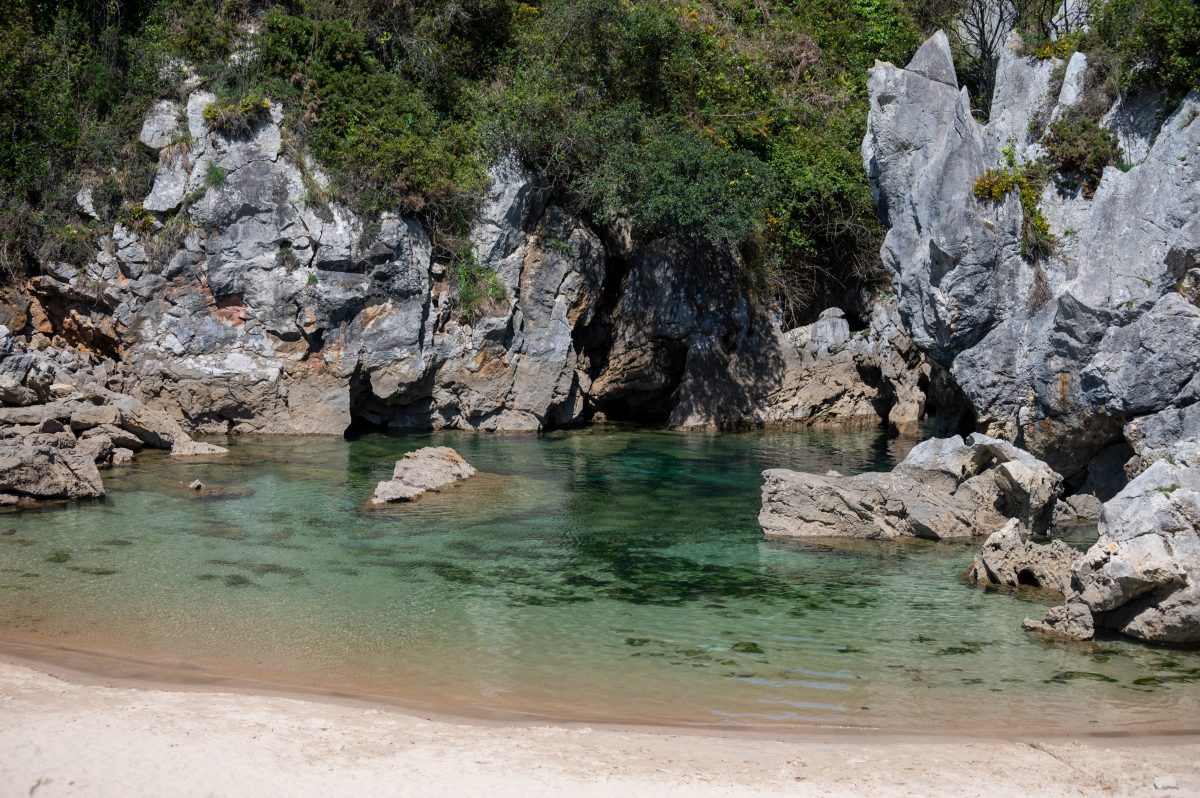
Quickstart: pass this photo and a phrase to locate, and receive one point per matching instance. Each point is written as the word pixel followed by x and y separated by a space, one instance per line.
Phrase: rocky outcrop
pixel 44 471
pixel 1058 355
pixel 1142 577
pixel 243 299
pixel 946 488
pixel 1010 559
pixel 417 473
pixel 58 423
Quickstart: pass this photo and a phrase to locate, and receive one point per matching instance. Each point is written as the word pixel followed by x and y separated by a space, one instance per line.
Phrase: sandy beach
pixel 61 737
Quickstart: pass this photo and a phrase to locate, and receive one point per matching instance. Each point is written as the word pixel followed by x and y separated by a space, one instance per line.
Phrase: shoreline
pixel 90 668
pixel 64 738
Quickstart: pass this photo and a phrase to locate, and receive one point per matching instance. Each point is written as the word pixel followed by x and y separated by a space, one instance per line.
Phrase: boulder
pixel 45 472
pixel 1080 508
pixel 1142 577
pixel 1072 621
pixel 429 469
pixel 154 428
pixel 1009 558
pixel 98 447
pixel 945 489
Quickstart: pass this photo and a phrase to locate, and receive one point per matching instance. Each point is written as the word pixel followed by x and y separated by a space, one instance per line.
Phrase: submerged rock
pixel 46 472
pixel 1009 558
pixel 196 449
pixel 1142 577
pixel 946 488
pixel 429 469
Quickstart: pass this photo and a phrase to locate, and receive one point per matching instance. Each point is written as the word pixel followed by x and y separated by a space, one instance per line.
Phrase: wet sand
pixel 75 737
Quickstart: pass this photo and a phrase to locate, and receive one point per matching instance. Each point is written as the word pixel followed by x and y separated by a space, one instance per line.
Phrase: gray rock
pixel 154 428
pixel 1076 509
pixel 45 472
pixel 429 469
pixel 161 125
pixel 1072 621
pixel 98 447
pixel 83 201
pixel 1058 354
pixel 1072 86
pixel 1134 118
pixel 1142 577
pixel 1009 558
pixel 945 489
pixel 874 377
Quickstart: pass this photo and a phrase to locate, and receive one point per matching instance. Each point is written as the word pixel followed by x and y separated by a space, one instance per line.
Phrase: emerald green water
pixel 596 575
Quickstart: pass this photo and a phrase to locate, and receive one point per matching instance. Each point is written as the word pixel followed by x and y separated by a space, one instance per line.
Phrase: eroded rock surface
pixel 1009 558
pixel 417 473
pixel 946 488
pixel 45 471
pixel 248 303
pixel 58 422
pixel 1059 354
pixel 1142 577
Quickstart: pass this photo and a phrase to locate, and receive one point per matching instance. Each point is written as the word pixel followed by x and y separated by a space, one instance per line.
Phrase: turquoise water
pixel 604 574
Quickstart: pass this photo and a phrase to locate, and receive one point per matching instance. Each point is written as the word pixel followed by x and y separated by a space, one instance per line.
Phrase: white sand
pixel 60 738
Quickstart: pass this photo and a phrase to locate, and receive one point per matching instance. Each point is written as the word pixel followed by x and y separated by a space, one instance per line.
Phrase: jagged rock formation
pixel 1142 577
pixel 58 423
pixel 1059 355
pixel 946 488
pixel 244 302
pixel 417 473
pixel 1011 559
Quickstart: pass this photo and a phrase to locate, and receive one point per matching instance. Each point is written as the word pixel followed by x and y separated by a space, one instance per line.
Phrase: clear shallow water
pixel 596 575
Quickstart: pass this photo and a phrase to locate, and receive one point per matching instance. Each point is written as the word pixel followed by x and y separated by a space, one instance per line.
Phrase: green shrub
pixel 380 136
pixel 477 286
pixel 136 218
pixel 1028 180
pixel 237 119
pixel 214 174
pixel 1079 146
pixel 1061 47
pixel 1158 42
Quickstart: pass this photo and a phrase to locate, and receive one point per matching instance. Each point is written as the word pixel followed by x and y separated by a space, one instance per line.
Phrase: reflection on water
pixel 597 574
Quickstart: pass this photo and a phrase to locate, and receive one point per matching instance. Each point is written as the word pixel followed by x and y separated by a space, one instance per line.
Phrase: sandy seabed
pixel 61 737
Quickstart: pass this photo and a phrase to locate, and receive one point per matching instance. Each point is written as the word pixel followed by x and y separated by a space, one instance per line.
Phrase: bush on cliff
pixel 729 120
pixel 736 121
pixel 1081 148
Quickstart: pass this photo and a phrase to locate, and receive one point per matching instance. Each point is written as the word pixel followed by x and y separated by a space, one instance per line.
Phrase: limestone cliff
pixel 241 301
pixel 1063 354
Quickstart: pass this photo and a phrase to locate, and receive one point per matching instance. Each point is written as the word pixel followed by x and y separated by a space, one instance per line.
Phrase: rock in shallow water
pixel 45 472
pixel 1142 577
pixel 429 469
pixel 1009 558
pixel 946 488
pixel 196 449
